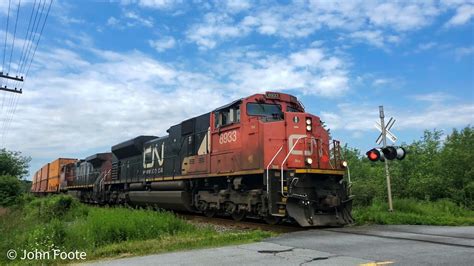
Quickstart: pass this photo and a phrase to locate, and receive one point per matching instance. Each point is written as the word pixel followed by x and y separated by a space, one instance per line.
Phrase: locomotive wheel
pixel 238 216
pixel 210 213
pixel 272 220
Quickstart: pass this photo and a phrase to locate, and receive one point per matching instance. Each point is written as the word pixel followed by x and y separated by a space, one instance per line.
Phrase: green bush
pixel 55 207
pixel 10 190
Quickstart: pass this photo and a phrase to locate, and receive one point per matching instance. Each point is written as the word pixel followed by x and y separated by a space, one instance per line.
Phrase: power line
pixel 6 37
pixel 32 37
pixel 26 37
pixel 10 118
pixel 39 38
pixel 14 34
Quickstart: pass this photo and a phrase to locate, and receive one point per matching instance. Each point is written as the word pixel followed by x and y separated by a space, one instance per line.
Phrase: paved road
pixel 367 245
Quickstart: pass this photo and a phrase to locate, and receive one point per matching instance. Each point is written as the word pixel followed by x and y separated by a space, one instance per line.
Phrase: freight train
pixel 261 156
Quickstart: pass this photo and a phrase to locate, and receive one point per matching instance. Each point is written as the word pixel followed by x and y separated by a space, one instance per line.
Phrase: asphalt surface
pixel 366 245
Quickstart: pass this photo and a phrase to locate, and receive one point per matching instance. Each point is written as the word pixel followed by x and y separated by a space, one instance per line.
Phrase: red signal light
pixel 373 156
pixel 386 153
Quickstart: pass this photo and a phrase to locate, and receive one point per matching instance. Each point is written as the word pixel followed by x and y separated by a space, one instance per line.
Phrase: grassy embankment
pixel 63 223
pixel 410 211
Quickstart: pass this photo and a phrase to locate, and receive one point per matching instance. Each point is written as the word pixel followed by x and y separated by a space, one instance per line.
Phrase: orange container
pixel 43 185
pixel 53 184
pixel 44 172
pixel 55 172
pixel 56 165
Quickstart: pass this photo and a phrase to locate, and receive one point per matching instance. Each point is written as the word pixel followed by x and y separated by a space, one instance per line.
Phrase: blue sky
pixel 108 71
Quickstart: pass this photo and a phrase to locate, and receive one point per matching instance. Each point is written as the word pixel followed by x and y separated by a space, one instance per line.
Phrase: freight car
pixel 47 179
pixel 261 156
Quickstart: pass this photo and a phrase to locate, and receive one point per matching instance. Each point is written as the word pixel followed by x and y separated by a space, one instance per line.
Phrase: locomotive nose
pixel 305 212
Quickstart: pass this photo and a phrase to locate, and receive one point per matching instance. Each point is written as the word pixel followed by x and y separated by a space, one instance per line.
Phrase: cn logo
pixel 292 139
pixel 228 137
pixel 155 155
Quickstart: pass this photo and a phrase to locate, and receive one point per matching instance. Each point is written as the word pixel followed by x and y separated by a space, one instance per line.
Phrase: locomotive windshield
pixel 264 109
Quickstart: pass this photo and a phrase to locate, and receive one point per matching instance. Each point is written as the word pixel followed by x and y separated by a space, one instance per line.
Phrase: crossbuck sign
pixel 389 134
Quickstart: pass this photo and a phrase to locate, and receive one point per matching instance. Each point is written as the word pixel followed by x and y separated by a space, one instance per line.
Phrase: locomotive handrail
pixel 284 161
pixel 268 167
pixel 336 153
pixel 101 183
pixel 328 153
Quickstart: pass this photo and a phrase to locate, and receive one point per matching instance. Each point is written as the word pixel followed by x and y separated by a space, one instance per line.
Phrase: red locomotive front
pixel 302 168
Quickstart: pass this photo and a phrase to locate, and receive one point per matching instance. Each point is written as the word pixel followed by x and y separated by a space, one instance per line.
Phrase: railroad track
pixel 458 241
pixel 247 224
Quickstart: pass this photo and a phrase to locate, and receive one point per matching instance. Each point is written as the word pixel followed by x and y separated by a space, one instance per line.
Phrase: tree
pixel 13 167
pixel 457 157
pixel 12 163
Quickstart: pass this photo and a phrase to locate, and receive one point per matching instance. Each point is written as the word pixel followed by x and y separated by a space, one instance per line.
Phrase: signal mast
pixel 386 153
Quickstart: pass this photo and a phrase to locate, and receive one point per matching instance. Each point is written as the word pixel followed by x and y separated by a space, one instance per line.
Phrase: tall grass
pixel 111 225
pixel 61 222
pixel 411 211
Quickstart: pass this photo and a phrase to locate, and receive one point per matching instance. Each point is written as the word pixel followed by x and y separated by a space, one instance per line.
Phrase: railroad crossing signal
pixel 389 134
pixel 389 153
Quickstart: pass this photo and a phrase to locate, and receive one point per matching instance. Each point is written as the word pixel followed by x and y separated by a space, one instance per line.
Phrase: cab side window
pixel 227 116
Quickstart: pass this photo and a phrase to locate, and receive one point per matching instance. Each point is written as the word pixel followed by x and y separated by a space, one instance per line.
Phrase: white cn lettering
pixel 154 155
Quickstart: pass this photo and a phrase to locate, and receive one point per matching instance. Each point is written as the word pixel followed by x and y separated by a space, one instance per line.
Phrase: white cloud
pixel 433 97
pixel 381 82
pixel 373 37
pixel 376 38
pixel 376 23
pixel 163 44
pixel 310 71
pixel 112 21
pixel 130 19
pixel 445 116
pixel 426 46
pixel 462 52
pixel 137 19
pixel 216 27
pixel 402 16
pixel 463 15
pixel 155 4
pixel 237 5
pixel 158 4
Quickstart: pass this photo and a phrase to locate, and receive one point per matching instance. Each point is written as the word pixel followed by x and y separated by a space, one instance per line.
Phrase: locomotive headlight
pixel 308 121
pixel 344 164
pixel 309 160
pixel 308 127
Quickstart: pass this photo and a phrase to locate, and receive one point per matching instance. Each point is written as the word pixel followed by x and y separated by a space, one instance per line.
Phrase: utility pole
pixel 16 78
pixel 387 173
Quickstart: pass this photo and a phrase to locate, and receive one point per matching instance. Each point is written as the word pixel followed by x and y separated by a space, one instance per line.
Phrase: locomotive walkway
pixel 365 245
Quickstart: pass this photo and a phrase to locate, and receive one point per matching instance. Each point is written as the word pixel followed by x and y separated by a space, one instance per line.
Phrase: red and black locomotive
pixel 262 156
